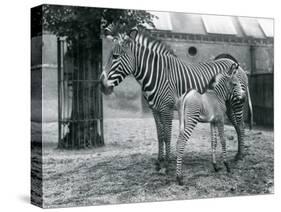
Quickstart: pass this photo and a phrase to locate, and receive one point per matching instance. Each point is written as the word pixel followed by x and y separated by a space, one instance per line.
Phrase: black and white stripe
pixel 163 77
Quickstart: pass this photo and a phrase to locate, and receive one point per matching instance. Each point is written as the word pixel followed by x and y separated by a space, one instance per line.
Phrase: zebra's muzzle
pixel 105 87
pixel 240 98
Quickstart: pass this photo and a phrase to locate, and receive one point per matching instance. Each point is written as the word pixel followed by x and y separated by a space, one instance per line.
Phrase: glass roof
pixel 251 27
pixel 267 26
pixel 214 24
pixel 219 24
pixel 187 23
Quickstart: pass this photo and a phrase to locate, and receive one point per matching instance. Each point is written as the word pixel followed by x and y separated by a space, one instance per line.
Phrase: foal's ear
pixel 233 69
pixel 234 72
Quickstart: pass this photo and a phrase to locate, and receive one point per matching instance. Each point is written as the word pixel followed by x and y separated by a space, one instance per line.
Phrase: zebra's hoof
pixel 162 171
pixel 157 166
pixel 180 180
pixel 216 168
pixel 167 166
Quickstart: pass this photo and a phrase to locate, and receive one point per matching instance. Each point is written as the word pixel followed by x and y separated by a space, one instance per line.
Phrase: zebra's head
pixel 121 63
pixel 239 90
pixel 228 85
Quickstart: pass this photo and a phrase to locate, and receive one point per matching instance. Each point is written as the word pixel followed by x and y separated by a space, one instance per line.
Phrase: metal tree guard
pixel 80 111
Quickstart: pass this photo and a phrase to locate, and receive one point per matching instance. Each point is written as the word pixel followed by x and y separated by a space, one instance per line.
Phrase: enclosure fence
pixel 262 94
pixel 80 111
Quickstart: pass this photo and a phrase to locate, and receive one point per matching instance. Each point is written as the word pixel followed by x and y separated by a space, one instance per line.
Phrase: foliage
pixel 88 24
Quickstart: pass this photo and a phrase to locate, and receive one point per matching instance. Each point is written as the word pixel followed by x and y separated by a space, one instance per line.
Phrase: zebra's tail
pixel 250 109
pixel 181 112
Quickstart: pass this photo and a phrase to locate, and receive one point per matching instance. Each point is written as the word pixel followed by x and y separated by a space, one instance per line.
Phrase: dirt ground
pixel 123 170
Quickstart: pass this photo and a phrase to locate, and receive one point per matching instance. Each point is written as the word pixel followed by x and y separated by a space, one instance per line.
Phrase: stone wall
pixel 44 73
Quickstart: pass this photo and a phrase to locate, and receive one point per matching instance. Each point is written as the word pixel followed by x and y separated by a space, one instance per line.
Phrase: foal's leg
pixel 191 119
pixel 214 145
pixel 223 144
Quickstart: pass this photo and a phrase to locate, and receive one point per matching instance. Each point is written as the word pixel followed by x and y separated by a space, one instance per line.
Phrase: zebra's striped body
pixel 163 77
pixel 208 107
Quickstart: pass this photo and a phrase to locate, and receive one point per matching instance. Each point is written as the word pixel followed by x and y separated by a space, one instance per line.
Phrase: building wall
pixel 263 59
pixel 44 73
pixel 257 59
pixel 207 51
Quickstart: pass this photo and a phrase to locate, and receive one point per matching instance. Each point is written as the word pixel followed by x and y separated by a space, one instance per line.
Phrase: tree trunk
pixel 85 125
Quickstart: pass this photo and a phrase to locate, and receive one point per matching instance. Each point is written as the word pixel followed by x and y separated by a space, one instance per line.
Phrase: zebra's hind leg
pixel 191 120
pixel 223 144
pixel 214 146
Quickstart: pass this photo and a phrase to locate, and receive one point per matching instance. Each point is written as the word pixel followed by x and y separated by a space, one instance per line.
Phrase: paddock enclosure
pixel 123 170
pixel 91 149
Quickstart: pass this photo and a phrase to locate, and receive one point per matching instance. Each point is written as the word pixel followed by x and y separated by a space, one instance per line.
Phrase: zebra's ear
pixel 108 30
pixel 108 33
pixel 133 32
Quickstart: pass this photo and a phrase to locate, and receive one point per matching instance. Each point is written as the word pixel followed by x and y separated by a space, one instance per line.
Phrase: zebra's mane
pixel 226 56
pixel 144 39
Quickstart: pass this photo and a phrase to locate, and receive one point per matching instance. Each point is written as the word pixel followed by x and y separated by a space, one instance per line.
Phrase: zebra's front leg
pixel 160 136
pixel 214 146
pixel 223 145
pixel 166 119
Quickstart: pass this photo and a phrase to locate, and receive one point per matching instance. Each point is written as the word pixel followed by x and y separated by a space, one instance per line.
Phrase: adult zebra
pixel 163 77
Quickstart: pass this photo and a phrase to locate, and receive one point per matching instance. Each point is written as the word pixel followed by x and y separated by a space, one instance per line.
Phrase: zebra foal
pixel 210 106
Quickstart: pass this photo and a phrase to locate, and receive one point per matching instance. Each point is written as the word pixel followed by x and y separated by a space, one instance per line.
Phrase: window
pixel 267 26
pixel 192 51
pixel 215 24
